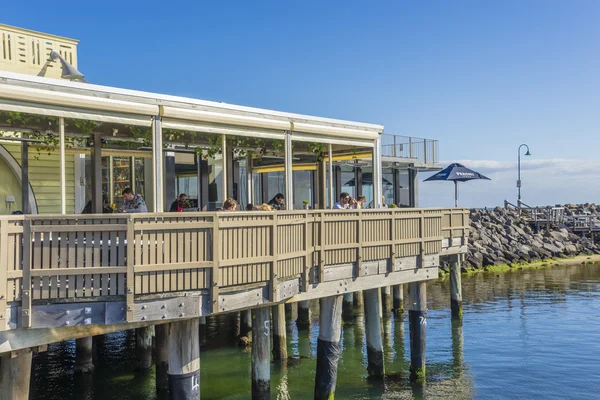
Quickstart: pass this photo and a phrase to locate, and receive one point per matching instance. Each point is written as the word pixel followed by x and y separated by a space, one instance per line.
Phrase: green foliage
pixel 319 150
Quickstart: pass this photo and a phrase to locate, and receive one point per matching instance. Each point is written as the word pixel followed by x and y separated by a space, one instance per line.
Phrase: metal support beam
pixel 25 207
pixel 157 161
pixel 249 181
pixel 170 175
pixel 202 184
pixel 289 176
pixel 331 191
pixel 97 200
pixel 377 172
pixel 413 183
pixel 63 178
pixel 224 170
pixel 321 189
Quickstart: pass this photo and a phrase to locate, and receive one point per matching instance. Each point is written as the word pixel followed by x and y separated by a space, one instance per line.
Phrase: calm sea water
pixel 529 334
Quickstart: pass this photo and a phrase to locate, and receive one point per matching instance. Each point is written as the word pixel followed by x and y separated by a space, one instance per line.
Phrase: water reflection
pixel 520 332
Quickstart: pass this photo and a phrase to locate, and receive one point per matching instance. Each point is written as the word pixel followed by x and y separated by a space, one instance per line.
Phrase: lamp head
pixel 68 71
pixel 528 153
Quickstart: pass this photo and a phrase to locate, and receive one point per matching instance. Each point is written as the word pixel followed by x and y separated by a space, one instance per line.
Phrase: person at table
pixel 229 204
pixel 346 202
pixel 179 204
pixel 277 202
pixel 132 203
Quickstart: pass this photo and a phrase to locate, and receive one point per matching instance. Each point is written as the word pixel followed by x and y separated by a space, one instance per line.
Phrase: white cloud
pixel 544 181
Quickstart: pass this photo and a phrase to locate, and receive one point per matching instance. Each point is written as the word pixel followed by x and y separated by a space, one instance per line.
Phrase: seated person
pixel 179 204
pixel 132 203
pixel 346 202
pixel 229 204
pixel 277 202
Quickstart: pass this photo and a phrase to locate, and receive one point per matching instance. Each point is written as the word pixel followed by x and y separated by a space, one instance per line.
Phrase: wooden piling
pixel 15 374
pixel 398 299
pixel 455 288
pixel 291 311
pixel 184 360
pixel 348 307
pixel 143 348
pixel 161 354
pixel 279 333
pixel 303 320
pixel 358 300
pixel 202 330
pixel 261 355
pixel 417 322
pixel 83 355
pixel 328 346
pixel 386 298
pixel 375 367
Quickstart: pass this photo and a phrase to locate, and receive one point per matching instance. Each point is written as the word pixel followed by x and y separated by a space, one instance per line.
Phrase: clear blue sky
pixel 480 76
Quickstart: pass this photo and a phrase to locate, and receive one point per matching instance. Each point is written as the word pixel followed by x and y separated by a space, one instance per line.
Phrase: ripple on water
pixel 525 334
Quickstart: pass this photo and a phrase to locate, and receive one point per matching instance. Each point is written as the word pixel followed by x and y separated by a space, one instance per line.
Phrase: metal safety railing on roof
pixel 426 151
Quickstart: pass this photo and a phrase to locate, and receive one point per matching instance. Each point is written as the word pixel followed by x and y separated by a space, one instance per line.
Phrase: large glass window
pixel 118 173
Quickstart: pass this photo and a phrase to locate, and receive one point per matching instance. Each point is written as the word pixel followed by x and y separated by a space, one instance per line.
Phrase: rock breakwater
pixel 501 236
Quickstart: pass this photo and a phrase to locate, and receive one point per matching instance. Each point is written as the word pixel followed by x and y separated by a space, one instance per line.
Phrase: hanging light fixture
pixel 68 71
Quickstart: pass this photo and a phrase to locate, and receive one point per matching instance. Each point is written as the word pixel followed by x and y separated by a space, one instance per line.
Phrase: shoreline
pixel 537 264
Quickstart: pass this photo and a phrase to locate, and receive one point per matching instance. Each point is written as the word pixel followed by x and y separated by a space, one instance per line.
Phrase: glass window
pixel 367 186
pixel 303 189
pixel 215 182
pixel 387 186
pixel 257 189
pixel 348 181
pixel 243 185
pixel 276 184
pixel 404 188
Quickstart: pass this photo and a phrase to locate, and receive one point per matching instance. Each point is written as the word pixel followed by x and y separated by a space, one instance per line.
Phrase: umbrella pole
pixel 455 194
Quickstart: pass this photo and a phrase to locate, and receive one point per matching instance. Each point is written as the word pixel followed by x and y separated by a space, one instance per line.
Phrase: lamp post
pixel 519 171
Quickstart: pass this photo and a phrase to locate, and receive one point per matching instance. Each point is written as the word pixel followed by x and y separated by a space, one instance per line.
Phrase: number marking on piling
pixel 267 328
pixel 422 320
pixel 195 382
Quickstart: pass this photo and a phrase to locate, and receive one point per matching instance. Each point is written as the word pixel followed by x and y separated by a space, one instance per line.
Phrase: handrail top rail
pixel 209 214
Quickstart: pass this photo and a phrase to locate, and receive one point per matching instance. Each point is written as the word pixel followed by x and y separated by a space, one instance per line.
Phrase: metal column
pixel 377 182
pixel 289 176
pixel 331 192
pixel 63 178
pixel 224 170
pixel 249 181
pixel 157 160
pixel 25 206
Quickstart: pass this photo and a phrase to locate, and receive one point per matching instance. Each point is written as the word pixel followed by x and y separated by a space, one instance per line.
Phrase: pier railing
pixel 425 151
pixel 54 259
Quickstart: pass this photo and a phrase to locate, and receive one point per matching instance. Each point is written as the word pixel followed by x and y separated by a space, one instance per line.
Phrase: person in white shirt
pixel 346 202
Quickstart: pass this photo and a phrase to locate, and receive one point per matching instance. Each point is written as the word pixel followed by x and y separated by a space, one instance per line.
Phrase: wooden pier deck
pixel 70 276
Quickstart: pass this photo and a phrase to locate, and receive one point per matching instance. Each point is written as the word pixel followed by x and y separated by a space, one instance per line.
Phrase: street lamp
pixel 519 171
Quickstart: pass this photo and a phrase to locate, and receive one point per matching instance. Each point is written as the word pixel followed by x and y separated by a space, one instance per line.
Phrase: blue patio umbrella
pixel 457 173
